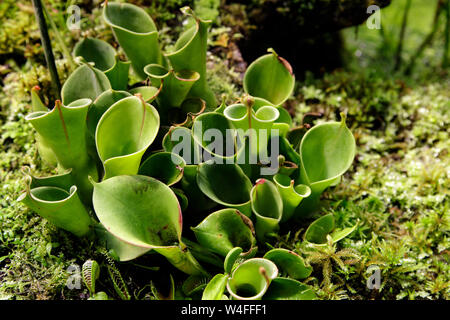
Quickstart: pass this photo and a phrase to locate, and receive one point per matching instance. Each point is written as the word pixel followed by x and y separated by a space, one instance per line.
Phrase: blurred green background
pixel 397 189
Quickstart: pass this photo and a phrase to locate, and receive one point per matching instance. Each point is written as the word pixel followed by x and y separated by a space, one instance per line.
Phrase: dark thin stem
pixel 49 57
pixel 428 40
pixel 382 33
pixel 65 51
pixel 398 55
pixel 445 62
pixel 356 33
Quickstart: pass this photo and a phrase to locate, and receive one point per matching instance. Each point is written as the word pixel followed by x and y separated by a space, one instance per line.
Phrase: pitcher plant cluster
pixel 136 161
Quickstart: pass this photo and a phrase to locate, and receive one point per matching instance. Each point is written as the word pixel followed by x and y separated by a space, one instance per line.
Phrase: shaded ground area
pixel 397 190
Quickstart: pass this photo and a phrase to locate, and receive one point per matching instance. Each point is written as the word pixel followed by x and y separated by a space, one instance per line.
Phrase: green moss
pixel 397 190
pixel 207 9
pixel 377 48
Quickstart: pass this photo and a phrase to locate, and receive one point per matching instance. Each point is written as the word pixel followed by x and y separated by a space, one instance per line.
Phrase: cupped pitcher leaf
pixel 96 110
pixel 85 82
pixel 289 263
pixel 104 57
pixel 99 107
pixel 224 230
pixel 190 54
pixel 267 206
pixel 215 288
pixel 101 53
pixel 236 256
pixel 295 135
pixel 148 93
pixel 36 102
pixel 318 230
pixel 247 117
pixel 198 201
pixel 203 254
pixel 286 168
pixel 231 259
pixel 99 296
pixel 283 122
pixel 144 212
pixel 123 134
pixel 189 110
pixel 238 115
pixel 339 234
pixel 215 134
pixel 136 33
pixel 175 84
pixel 117 247
pixel 182 258
pixel 326 152
pixel 290 194
pixel 225 184
pixel 247 161
pixel 165 166
pixel 284 119
pixel 63 129
pixel 251 279
pixel 46 153
pixel 118 74
pixel 254 123
pixel 179 140
pixel 63 181
pixel 53 200
pixel 270 77
pixel 222 105
pixel 289 289
pixel 289 153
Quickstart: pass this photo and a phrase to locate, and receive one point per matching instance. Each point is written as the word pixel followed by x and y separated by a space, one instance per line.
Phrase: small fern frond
pixel 116 278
